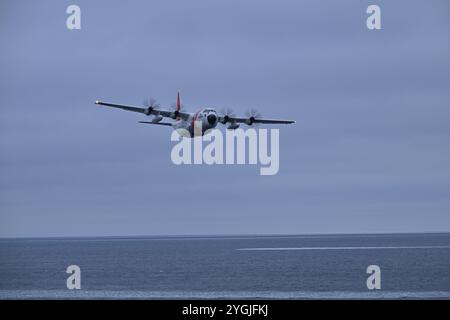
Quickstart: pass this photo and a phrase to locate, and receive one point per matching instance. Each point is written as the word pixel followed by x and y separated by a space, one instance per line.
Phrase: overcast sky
pixel 370 151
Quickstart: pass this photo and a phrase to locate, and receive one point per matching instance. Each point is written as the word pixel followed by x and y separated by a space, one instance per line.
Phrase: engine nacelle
pixel 175 114
pixel 224 119
pixel 250 121
pixel 148 111
pixel 233 126
pixel 157 119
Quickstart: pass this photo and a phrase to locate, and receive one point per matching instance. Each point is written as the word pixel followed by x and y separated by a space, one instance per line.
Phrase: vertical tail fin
pixel 178 102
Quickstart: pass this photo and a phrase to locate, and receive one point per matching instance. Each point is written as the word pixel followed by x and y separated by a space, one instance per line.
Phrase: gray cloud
pixel 369 152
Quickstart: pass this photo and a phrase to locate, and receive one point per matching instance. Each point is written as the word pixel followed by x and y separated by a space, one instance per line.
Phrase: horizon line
pixel 237 235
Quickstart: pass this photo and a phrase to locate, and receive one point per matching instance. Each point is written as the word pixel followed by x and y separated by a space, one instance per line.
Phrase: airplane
pixel 184 121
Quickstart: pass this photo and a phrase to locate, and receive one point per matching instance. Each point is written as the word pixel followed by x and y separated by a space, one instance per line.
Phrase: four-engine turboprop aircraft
pixel 185 121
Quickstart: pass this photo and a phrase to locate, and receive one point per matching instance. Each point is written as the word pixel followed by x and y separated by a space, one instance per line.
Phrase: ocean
pixel 228 267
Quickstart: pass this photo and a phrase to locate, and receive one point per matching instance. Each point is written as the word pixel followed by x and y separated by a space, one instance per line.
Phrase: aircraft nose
pixel 212 119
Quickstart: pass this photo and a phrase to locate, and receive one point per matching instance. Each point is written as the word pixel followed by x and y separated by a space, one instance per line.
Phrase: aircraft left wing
pixel 147 111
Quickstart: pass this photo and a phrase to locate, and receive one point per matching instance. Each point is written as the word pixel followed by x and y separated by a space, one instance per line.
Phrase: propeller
pixel 175 112
pixel 151 104
pixel 252 114
pixel 226 114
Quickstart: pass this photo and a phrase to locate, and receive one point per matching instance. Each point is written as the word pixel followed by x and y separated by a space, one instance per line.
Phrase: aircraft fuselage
pixel 206 117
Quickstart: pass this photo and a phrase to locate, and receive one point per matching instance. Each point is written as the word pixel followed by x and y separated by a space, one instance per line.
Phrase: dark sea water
pixel 288 267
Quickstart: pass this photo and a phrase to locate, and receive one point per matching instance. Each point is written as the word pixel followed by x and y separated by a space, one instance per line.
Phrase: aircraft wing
pixel 251 120
pixel 147 111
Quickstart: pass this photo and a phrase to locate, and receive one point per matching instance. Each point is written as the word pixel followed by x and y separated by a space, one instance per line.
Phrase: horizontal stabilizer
pixel 158 123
